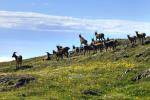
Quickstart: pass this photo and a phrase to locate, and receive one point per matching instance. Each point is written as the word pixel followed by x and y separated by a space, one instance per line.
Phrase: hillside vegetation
pixel 112 75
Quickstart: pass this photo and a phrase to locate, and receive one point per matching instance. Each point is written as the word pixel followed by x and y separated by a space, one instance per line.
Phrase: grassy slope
pixel 70 78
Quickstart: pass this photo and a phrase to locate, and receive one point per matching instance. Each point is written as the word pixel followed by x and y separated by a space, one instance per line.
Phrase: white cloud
pixel 4 59
pixel 43 22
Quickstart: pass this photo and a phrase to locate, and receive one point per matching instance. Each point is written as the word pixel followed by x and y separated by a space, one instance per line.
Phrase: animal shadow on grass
pixel 25 67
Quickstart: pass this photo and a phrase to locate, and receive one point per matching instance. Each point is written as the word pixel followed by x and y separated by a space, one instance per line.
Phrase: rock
pixel 124 73
pixel 144 74
pixel 138 55
pixel 9 82
pixel 90 92
pixel 126 56
pixel 144 55
pixel 23 81
pixel 121 54
pixel 128 70
pixel 23 95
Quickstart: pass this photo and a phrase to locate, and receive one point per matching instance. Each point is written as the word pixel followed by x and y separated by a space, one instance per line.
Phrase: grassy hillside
pixel 106 76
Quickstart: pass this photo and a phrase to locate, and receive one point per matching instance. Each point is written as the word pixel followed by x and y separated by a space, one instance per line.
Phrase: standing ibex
pixel 132 40
pixel 97 45
pixel 141 36
pixel 99 36
pixel 58 54
pixel 112 44
pixel 83 40
pixel 48 57
pixel 63 50
pixel 18 60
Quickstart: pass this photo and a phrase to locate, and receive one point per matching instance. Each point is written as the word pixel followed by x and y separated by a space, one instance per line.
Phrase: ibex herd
pixel 96 45
pixel 140 36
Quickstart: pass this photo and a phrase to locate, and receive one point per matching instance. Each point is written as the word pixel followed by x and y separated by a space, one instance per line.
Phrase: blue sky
pixel 32 27
pixel 107 9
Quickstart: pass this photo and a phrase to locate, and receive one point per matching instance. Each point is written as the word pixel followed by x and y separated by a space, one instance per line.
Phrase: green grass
pixel 102 73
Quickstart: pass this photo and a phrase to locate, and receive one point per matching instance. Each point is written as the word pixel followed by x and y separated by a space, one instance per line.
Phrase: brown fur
pixel 64 51
pixel 132 39
pixel 82 40
pixel 110 44
pixel 58 55
pixel 99 36
pixel 141 36
pixel 87 49
pixel 97 45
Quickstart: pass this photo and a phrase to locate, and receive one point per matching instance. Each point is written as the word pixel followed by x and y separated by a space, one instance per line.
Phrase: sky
pixel 33 27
